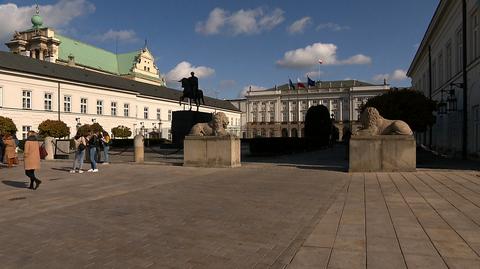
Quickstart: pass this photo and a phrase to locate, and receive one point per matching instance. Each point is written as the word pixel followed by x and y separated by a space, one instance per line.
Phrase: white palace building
pixel 280 111
pixel 50 76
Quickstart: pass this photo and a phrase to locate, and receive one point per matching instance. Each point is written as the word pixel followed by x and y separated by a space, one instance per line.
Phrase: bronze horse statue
pixel 190 93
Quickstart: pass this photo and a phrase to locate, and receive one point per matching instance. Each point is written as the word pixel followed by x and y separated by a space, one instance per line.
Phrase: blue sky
pixel 236 44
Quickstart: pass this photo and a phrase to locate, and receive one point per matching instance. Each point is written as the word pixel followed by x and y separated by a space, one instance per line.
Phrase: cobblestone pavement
pixel 427 219
pixel 154 216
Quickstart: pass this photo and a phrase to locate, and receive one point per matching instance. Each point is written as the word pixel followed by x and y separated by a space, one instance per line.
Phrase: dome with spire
pixel 37 20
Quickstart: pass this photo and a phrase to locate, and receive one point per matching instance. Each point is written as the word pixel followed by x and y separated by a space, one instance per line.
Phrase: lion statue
pixel 374 124
pixel 216 127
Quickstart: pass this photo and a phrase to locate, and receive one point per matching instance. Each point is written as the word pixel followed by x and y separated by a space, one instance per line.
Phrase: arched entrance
pixel 294 132
pixel 284 132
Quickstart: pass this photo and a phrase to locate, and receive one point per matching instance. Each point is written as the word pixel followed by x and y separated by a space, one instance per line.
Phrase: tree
pixel 53 128
pixel 318 126
pixel 121 131
pixel 408 105
pixel 7 126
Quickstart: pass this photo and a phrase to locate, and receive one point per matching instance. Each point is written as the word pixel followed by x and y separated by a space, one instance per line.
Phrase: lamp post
pixel 78 123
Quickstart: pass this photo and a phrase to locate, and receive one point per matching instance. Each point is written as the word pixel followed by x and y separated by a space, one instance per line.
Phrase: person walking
pixel 106 141
pixel 31 157
pixel 92 144
pixel 10 147
pixel 80 148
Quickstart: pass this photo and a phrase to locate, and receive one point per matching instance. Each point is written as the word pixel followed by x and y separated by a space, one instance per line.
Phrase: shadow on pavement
pixel 428 160
pixel 15 184
pixel 65 169
pixel 331 159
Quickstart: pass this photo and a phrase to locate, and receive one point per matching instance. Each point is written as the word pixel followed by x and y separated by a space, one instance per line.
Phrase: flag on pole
pixel 320 61
pixel 290 85
pixel 310 83
pixel 300 84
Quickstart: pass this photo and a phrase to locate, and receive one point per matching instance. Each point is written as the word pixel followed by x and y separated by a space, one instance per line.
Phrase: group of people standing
pixel 94 142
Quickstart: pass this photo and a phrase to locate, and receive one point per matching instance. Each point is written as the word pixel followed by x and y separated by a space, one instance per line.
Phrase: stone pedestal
pixel 139 151
pixel 49 147
pixel 211 151
pixel 182 122
pixel 382 153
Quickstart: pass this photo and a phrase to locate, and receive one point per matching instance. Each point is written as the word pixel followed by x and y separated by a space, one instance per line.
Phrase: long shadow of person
pixel 15 184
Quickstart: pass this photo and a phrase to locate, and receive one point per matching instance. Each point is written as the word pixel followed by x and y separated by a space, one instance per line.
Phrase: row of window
pixel 442 63
pixel 67 106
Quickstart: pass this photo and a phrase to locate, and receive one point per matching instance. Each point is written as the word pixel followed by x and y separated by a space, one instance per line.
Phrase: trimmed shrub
pixel 53 128
pixel 121 132
pixel 7 126
pixel 87 128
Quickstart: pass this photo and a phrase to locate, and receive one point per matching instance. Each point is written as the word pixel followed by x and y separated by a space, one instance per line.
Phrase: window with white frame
pixel 113 108
pixel 272 116
pixel 448 62
pixel 145 113
pixel 126 110
pixel 459 47
pixel 475 35
pixel 47 103
pixel 169 116
pixel 263 114
pixel 25 130
pixel 440 69
pixel 83 105
pixel 67 103
pixel 285 116
pixel 159 114
pixel 99 107
pixel 27 100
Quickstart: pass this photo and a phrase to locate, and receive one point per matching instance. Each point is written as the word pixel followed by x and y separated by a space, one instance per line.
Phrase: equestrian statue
pixel 191 91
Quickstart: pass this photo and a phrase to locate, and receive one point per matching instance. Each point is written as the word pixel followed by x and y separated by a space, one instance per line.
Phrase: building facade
pixel 445 67
pixel 281 111
pixel 37 83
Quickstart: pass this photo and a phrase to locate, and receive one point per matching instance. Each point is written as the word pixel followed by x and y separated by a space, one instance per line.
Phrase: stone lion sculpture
pixel 374 124
pixel 216 127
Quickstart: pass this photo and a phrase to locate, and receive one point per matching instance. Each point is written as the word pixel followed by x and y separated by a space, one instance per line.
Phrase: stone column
pixel 341 110
pixel 49 147
pixel 139 151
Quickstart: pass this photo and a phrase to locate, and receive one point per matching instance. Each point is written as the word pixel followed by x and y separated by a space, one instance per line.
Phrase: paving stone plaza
pixel 294 211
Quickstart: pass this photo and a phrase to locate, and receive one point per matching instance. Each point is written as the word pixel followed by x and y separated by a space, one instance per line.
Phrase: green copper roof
pixel 96 58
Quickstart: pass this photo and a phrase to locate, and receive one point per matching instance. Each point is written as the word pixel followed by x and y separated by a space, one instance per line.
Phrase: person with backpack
pixel 106 141
pixel 80 148
pixel 92 144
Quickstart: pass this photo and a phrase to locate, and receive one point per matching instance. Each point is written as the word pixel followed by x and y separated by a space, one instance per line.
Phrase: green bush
pixel 87 128
pixel 7 126
pixel 53 128
pixel 121 132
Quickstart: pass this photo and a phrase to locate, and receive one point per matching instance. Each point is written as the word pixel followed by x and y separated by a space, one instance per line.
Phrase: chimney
pixel 71 60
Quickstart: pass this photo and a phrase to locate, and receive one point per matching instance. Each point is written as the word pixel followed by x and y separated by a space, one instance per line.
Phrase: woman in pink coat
pixel 31 156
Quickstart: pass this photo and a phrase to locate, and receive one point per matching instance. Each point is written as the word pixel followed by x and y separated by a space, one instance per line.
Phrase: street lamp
pixel 78 123
pixel 94 120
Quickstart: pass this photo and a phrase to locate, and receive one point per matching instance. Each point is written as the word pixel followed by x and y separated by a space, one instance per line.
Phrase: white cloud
pixel 183 69
pixel 397 75
pixel 313 74
pixel 250 21
pixel 226 84
pixel 17 18
pixel 253 88
pixel 299 26
pixel 332 27
pixel 309 56
pixel 120 35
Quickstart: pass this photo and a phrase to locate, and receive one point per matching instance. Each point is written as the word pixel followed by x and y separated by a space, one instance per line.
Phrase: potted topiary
pixel 121 132
pixel 51 129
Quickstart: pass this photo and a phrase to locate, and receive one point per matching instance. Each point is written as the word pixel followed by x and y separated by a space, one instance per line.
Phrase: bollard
pixel 139 149
pixel 49 147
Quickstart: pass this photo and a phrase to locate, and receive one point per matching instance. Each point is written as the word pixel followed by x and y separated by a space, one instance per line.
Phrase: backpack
pixel 81 147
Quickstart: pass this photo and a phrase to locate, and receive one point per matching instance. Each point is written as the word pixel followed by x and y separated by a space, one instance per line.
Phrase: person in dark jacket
pixel 92 144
